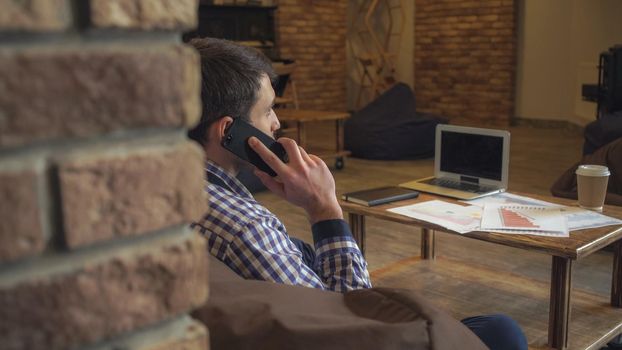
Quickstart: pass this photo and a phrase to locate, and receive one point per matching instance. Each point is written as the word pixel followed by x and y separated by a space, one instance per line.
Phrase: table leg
pixel 559 305
pixel 357 225
pixel 616 279
pixel 302 135
pixel 427 244
pixel 339 130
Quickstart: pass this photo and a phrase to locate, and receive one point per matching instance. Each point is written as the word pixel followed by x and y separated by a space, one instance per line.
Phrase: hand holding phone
pixel 236 138
pixel 304 181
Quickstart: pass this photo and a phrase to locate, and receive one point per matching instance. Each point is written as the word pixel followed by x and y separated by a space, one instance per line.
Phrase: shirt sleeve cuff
pixel 329 229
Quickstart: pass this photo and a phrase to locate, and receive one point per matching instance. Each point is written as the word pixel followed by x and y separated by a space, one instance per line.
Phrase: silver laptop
pixel 468 163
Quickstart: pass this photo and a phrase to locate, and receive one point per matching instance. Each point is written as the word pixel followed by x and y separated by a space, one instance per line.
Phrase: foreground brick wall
pixel 313 34
pixel 97 178
pixel 465 59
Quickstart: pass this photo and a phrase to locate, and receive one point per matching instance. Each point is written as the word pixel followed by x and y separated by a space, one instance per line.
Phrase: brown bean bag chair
pixel 609 155
pixel 246 314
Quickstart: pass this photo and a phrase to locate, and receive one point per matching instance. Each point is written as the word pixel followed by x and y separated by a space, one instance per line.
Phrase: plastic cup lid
pixel 592 170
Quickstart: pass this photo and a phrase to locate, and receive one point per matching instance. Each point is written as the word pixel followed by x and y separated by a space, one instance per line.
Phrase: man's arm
pixel 258 251
pixel 339 261
pixel 307 182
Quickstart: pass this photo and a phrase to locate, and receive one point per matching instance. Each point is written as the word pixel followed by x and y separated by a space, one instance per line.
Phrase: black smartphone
pixel 236 141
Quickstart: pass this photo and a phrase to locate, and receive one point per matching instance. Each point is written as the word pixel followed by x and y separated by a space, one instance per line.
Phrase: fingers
pixel 292 149
pixel 305 155
pixel 317 160
pixel 267 155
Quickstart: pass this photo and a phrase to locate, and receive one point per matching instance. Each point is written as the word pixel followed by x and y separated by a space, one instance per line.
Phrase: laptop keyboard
pixel 457 185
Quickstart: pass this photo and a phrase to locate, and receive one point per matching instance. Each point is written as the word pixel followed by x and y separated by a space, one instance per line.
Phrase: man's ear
pixel 217 131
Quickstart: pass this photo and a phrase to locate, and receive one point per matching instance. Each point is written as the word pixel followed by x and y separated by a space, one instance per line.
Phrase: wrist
pixel 327 212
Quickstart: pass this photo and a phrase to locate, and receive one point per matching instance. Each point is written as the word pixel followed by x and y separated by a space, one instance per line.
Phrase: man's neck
pixel 222 158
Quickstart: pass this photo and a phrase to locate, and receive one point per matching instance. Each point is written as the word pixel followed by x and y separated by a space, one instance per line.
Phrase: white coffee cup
pixel 592 186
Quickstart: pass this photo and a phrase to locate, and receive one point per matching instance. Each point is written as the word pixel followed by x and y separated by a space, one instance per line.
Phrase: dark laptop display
pixel 472 155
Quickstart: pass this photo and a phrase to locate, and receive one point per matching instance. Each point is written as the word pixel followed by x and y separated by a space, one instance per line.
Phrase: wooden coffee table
pixel 563 252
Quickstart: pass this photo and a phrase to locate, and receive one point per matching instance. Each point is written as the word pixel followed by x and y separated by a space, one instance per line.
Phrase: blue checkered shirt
pixel 254 243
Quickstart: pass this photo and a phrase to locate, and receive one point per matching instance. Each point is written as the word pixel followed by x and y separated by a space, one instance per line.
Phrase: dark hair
pixel 230 80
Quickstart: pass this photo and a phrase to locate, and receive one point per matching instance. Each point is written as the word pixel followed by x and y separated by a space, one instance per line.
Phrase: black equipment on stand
pixel 608 97
pixel 608 92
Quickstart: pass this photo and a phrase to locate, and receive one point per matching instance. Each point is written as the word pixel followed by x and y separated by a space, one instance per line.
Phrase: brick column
pixel 97 179
pixel 465 59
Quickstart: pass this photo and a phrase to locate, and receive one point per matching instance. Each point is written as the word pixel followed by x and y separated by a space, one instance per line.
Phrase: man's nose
pixel 276 125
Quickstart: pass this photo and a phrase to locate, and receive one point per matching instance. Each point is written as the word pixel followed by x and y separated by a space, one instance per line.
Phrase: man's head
pixel 235 84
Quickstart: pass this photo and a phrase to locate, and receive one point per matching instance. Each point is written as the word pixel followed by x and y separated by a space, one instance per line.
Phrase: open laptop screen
pixel 472 155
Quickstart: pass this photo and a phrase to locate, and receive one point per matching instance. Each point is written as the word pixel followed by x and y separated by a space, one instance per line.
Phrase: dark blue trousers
pixel 498 332
pixel 308 252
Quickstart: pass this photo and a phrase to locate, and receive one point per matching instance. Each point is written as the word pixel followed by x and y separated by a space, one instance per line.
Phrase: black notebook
pixel 380 195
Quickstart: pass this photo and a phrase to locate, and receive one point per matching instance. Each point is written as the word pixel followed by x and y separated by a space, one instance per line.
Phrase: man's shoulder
pixel 219 197
pixel 237 210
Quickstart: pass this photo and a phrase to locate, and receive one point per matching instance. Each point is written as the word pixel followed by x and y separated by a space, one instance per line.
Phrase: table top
pixel 580 244
pixel 308 115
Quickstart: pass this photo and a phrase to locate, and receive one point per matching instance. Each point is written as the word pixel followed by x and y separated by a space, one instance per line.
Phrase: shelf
pixel 208 3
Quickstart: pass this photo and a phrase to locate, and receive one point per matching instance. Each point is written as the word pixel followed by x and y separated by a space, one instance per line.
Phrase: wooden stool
pixel 296 120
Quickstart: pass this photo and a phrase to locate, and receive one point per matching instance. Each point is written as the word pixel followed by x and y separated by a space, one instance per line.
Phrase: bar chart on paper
pixel 513 218
pixel 525 219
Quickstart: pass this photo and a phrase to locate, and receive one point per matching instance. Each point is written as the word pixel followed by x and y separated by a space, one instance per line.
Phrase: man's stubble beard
pixel 242 165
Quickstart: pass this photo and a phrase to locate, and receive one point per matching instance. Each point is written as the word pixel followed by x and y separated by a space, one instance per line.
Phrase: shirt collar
pixel 231 182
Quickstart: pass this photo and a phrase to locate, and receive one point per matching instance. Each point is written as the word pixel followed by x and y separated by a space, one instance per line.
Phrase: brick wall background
pixel 97 178
pixel 313 34
pixel 465 59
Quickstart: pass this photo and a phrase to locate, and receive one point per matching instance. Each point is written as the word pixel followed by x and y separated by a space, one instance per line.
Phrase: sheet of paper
pixel 533 233
pixel 508 198
pixel 524 218
pixel 576 218
pixel 455 217
pixel 579 218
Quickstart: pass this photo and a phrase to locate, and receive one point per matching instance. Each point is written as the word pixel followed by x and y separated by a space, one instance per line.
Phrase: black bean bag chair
pixel 389 128
pixel 602 131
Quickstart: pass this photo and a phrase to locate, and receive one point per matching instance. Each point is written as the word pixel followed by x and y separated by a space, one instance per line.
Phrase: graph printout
pixel 579 219
pixel 547 220
pixel 455 217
